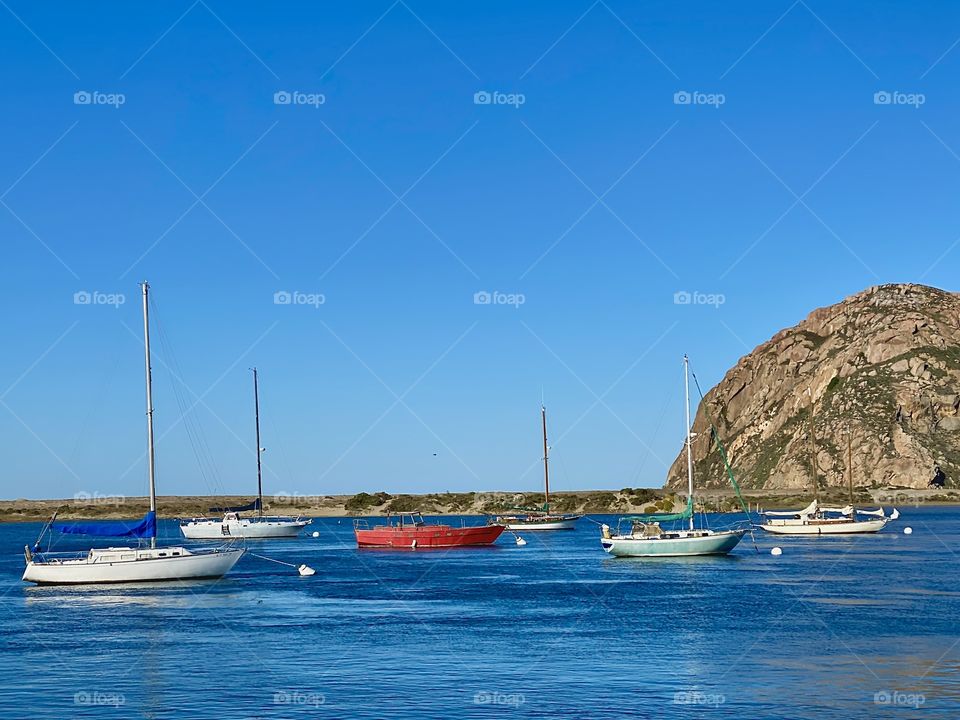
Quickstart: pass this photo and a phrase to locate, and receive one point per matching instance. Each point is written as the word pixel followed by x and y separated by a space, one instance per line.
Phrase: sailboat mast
pixel 546 461
pixel 686 388
pixel 151 460
pixel 850 464
pixel 256 414
pixel 813 453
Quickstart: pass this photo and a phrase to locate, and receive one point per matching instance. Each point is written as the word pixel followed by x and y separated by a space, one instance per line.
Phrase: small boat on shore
pixel 411 531
pixel 540 518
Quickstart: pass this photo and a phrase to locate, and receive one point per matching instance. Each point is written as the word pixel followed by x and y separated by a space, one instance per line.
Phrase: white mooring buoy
pixel 306 570
pixel 776 551
pixel 316 534
pixel 520 541
pixel 908 531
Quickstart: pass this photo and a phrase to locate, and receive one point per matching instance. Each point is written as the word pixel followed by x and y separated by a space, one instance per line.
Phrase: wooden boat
pixel 411 531
pixel 540 518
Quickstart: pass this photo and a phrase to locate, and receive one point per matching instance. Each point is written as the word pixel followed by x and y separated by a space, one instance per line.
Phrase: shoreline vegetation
pixel 624 501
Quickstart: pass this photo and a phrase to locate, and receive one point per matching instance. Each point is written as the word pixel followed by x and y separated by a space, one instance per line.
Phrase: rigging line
pixel 668 394
pixel 192 426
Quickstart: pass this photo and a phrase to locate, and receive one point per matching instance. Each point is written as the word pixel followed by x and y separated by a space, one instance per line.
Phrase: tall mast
pixel 686 389
pixel 151 460
pixel 256 413
pixel 813 453
pixel 850 464
pixel 546 461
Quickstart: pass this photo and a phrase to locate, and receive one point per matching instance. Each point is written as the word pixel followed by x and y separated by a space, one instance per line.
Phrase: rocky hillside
pixel 883 366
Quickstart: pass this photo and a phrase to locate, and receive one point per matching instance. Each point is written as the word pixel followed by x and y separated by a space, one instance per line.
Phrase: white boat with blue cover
pixel 126 564
pixel 646 538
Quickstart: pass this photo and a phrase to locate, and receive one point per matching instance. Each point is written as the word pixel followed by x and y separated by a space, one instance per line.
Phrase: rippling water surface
pixel 833 628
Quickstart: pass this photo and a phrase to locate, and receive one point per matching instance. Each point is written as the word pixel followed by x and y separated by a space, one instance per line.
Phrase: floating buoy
pixel 520 541
pixel 776 551
pixel 316 534
pixel 908 531
pixel 306 570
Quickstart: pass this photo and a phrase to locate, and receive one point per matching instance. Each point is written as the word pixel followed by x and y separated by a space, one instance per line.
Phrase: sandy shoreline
pixel 627 500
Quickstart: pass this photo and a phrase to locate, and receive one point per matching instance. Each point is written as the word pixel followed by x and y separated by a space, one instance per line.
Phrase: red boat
pixel 410 531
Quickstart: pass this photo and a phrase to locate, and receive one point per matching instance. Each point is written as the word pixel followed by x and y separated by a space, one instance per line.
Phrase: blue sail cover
pixel 143 528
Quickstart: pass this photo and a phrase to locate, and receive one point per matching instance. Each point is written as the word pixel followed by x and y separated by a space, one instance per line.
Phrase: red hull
pixel 427 536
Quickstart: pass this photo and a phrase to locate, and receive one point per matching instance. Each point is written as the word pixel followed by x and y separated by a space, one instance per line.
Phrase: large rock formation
pixel 883 365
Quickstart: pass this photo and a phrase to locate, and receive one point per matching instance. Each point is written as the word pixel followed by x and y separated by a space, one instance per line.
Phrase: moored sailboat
pixel 540 518
pixel 232 524
pixel 646 538
pixel 127 564
pixel 410 531
pixel 818 519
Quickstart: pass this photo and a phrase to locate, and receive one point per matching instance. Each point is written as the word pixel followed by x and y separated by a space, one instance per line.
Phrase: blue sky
pixel 149 142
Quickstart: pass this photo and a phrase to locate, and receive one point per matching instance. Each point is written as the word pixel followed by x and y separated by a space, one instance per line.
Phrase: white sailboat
pixel 127 564
pixel 817 519
pixel 232 524
pixel 646 538
pixel 540 519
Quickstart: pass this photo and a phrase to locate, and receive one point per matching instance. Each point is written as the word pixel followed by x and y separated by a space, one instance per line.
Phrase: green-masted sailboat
pixel 647 539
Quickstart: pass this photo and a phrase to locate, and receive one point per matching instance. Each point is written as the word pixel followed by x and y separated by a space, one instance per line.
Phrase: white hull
pixel 679 544
pixel 801 527
pixel 558 523
pixel 248 528
pixel 131 565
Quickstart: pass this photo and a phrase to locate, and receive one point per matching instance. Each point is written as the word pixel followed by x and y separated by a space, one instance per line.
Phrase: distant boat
pixel 232 524
pixel 127 564
pixel 646 538
pixel 542 518
pixel 411 531
pixel 817 519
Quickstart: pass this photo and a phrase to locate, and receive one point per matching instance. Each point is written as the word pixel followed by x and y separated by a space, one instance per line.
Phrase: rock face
pixel 882 368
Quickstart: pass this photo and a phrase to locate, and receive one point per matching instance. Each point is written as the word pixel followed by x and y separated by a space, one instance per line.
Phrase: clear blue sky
pixel 596 199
